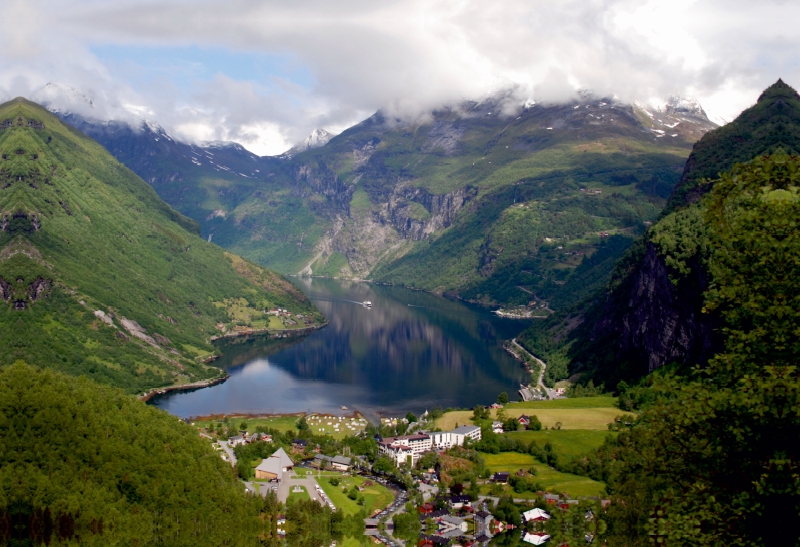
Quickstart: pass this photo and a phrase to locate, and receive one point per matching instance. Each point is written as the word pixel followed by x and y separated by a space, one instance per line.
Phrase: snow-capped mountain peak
pixel 318 137
pixel 684 105
pixel 58 97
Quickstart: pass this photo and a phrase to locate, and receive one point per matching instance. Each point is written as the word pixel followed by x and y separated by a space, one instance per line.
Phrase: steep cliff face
pixel 651 314
pixel 314 179
pixel 441 210
pixel 649 321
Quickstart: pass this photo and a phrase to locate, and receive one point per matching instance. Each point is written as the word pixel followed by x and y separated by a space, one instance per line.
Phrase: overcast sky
pixel 265 73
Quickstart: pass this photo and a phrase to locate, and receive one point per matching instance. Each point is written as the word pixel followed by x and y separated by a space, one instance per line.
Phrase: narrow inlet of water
pixel 410 351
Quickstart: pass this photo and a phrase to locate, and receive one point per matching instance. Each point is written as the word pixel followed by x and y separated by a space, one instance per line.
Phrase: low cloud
pixel 403 56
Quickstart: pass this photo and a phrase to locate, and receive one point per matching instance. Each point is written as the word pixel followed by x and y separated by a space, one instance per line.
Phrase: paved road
pixel 286 485
pixel 400 497
pixel 550 393
pixel 229 451
pixel 284 488
pixel 394 508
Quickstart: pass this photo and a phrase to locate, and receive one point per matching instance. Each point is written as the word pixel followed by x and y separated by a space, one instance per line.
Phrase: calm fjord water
pixel 409 352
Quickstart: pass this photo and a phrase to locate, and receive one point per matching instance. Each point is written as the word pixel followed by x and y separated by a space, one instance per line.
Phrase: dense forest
pixel 713 458
pixel 86 464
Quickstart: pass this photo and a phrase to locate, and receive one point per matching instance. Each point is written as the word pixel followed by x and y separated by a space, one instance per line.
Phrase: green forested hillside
pixel 473 203
pixel 100 277
pixel 773 122
pixel 86 464
pixel 652 311
pixel 712 459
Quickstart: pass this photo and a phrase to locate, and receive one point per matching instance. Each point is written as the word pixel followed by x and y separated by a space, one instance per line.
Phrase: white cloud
pixel 406 56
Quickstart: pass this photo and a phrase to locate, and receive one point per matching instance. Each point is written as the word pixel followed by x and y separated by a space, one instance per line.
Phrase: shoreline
pixel 386 284
pixel 511 315
pixel 155 392
pixel 279 333
pixel 284 333
pixel 257 415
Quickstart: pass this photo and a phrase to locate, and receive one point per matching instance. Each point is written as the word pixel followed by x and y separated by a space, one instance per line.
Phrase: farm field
pixel 570 418
pixel 281 422
pixel 579 402
pixel 376 496
pixel 550 479
pixel 570 443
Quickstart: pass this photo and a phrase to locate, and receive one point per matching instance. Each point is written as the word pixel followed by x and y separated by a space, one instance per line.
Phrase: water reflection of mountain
pixel 433 343
pixel 239 351
pixel 410 351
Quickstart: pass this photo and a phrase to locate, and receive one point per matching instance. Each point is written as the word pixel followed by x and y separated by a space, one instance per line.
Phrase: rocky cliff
pixel 441 210
pixel 652 312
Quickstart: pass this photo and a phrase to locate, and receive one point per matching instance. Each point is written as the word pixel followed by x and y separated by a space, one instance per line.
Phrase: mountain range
pixel 100 277
pixel 491 200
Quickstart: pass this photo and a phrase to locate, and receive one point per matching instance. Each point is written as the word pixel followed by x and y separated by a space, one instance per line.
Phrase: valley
pixel 458 472
pixel 477 201
pixel 402 274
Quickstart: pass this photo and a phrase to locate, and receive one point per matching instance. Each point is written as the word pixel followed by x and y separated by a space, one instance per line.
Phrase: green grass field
pixel 550 479
pixel 281 423
pixel 570 443
pixel 376 496
pixel 297 496
pixel 580 402
pixel 352 542
pixel 570 418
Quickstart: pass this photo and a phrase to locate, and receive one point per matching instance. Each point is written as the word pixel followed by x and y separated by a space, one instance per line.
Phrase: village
pixel 448 477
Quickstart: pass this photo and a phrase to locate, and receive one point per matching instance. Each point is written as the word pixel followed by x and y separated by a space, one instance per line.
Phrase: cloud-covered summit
pixel 266 73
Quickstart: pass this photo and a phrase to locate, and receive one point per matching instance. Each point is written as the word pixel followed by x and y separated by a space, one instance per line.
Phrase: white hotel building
pixel 442 440
pixel 400 448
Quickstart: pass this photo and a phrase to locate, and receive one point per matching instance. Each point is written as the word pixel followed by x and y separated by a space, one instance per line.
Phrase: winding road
pixel 540 382
pixel 229 451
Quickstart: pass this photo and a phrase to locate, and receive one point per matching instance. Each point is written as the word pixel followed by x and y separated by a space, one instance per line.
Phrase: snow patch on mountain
pixel 318 137
pixel 675 105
